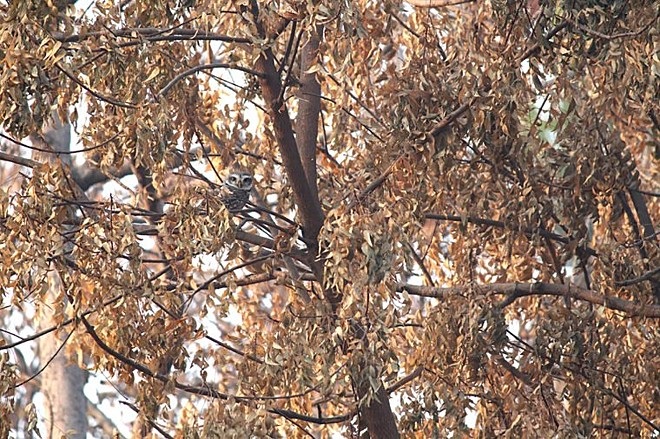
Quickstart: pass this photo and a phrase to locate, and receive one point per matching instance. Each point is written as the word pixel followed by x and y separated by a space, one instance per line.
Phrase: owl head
pixel 239 181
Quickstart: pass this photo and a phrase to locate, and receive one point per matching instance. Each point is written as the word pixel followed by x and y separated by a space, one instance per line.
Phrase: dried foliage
pixel 472 232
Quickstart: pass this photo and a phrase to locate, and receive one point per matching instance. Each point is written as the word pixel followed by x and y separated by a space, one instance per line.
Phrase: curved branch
pixel 206 390
pixel 652 274
pixel 611 37
pixel 149 421
pixel 94 93
pixel 54 151
pixel 202 67
pixel 406 379
pixel 50 360
pixel 517 290
pixel 66 322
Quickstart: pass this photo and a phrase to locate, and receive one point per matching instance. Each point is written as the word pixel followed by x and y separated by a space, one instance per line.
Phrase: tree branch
pixel 500 224
pixel 202 67
pixel 154 34
pixel 518 290
pixel 309 108
pixel 607 37
pixel 23 161
pixel 94 93
pixel 652 274
pixel 642 214
pixel 310 211
pixel 537 47
pixel 437 3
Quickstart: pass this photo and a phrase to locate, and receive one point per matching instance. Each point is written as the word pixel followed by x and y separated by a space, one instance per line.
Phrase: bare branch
pixel 29 163
pixel 406 379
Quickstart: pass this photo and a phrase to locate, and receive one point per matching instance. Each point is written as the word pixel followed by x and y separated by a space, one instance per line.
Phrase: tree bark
pixel 62 383
pixel 271 87
pixel 299 158
pixel 379 417
pixel 309 109
pixel 65 411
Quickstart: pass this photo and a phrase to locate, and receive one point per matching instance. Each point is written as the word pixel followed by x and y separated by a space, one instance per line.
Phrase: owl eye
pixel 232 179
pixel 247 180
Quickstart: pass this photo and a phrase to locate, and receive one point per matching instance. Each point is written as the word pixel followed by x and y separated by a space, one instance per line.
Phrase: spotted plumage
pixel 236 191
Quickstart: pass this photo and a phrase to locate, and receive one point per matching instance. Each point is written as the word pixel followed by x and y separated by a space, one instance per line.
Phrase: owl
pixel 236 191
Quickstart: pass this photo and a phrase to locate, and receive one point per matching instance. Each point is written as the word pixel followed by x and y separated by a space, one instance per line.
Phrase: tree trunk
pixel 62 383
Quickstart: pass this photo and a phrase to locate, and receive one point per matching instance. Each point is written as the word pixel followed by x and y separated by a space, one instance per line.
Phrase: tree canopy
pixel 452 230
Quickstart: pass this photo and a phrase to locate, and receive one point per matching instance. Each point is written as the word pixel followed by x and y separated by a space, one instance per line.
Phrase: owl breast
pixel 235 199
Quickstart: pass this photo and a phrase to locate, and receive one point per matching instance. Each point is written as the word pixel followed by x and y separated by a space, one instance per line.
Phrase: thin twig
pixel 154 34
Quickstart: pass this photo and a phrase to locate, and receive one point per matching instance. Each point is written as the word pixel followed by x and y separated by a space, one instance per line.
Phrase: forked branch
pixel 271 86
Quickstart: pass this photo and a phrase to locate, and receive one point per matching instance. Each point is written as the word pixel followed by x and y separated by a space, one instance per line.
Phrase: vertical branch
pixel 642 214
pixel 648 229
pixel 639 239
pixel 309 108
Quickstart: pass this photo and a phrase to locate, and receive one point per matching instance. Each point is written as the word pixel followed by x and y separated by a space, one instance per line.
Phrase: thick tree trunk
pixel 65 411
pixel 62 383
pixel 379 418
